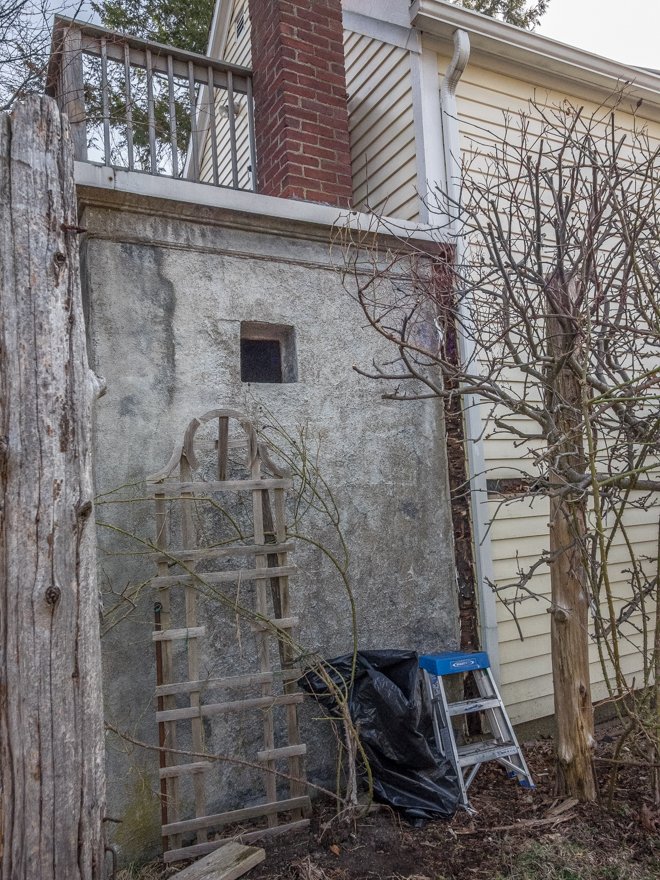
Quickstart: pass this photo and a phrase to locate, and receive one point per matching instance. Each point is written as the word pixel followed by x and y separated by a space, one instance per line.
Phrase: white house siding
pixel 237 51
pixel 519 531
pixel 381 126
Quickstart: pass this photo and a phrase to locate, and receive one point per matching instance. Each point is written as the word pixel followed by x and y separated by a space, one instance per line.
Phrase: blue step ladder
pixel 466 759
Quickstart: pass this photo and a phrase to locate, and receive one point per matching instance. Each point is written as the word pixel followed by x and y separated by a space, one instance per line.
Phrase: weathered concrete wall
pixel 167 286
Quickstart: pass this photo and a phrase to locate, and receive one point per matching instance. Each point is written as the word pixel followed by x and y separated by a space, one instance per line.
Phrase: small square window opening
pixel 268 353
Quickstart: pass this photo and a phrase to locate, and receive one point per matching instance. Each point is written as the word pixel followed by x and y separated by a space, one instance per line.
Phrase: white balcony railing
pixel 149 108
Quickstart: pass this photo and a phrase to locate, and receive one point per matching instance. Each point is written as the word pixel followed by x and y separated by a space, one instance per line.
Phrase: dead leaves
pixel 648 819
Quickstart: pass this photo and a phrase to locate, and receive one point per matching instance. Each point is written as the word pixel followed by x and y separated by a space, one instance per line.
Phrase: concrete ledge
pixel 244 202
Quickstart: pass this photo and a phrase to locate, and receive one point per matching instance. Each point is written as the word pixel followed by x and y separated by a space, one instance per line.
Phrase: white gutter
pixel 509 43
pixel 244 202
pixel 471 403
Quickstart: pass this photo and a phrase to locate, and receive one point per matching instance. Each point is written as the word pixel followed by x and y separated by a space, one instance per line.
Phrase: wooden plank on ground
pixel 227 863
pixel 199 849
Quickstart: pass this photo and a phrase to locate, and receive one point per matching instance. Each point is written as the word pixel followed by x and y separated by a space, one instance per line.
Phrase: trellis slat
pixel 212 486
pixel 223 577
pixel 275 623
pixel 169 635
pixel 234 681
pixel 222 552
pixel 234 816
pixel 285 752
pixel 266 702
pixel 184 769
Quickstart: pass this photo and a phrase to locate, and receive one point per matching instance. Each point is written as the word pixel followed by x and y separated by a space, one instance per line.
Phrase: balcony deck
pixel 140 106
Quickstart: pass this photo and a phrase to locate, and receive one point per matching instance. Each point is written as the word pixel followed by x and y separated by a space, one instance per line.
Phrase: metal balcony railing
pixel 154 109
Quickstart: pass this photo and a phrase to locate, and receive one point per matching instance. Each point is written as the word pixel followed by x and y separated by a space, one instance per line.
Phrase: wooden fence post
pixel 52 787
pixel 72 97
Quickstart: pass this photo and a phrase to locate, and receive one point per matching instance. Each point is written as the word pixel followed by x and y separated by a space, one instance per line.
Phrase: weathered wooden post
pixel 52 789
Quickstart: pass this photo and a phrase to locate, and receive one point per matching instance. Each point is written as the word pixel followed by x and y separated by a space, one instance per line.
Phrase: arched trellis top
pixel 187 448
pixel 267 564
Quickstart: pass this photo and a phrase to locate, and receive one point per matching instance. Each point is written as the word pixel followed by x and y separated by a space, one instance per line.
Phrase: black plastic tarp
pixel 409 772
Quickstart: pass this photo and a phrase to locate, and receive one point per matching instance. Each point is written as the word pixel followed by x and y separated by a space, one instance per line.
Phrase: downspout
pixel 471 405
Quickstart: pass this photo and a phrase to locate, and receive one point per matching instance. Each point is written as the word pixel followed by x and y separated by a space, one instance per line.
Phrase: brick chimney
pixel 301 113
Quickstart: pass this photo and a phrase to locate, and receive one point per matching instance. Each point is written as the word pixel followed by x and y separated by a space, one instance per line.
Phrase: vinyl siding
pixel 381 127
pixel 519 530
pixel 237 51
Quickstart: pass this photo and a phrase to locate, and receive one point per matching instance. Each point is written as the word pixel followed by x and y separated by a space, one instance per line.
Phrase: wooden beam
pixel 227 862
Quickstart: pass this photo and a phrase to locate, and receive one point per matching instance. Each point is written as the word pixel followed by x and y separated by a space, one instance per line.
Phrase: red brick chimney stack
pixel 301 114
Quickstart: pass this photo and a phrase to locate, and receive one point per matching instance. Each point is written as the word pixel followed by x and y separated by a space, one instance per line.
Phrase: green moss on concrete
pixel 138 836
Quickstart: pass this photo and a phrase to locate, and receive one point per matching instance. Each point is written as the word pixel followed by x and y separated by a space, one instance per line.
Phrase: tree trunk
pixel 570 656
pixel 570 605
pixel 52 789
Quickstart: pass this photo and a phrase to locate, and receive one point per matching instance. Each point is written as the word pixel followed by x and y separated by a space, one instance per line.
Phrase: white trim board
pixel 246 202
pixel 514 45
pixel 386 32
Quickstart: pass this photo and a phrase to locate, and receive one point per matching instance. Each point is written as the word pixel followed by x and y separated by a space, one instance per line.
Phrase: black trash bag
pixel 409 773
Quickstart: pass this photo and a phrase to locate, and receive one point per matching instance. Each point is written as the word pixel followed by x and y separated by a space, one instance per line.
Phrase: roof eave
pixel 440 19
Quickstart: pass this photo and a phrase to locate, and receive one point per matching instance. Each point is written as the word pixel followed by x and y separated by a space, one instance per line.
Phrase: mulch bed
pixel 515 833
pixel 382 845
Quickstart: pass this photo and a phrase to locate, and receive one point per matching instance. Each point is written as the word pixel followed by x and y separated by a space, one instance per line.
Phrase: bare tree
pixel 24 49
pixel 556 285
pixel 516 12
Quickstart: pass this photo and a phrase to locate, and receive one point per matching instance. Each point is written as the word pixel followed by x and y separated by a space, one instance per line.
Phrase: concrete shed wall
pixel 167 286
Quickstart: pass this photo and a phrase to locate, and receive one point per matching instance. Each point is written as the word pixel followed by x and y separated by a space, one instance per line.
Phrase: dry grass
pixel 153 871
pixel 562 860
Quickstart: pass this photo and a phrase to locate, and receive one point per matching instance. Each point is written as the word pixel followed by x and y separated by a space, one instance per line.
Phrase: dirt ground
pixel 516 833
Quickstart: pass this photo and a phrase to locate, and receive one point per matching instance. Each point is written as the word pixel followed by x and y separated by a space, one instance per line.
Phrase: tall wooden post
pixel 71 90
pixel 52 788
pixel 569 629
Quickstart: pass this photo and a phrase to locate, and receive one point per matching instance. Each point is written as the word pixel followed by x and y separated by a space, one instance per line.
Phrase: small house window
pixel 268 353
pixel 240 24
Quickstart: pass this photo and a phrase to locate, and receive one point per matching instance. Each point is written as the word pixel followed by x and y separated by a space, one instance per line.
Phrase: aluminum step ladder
pixel 466 759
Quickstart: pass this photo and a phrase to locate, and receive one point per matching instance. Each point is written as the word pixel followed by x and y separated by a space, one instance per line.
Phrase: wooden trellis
pixel 269 553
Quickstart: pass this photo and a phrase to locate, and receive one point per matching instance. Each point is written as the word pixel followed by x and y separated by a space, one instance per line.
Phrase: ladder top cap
pixel 453 661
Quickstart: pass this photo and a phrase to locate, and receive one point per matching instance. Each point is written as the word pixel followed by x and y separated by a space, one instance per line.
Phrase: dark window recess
pixel 261 360
pixel 268 352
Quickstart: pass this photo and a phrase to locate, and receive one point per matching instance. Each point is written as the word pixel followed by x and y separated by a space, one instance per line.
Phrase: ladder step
pixel 476 705
pixel 489 750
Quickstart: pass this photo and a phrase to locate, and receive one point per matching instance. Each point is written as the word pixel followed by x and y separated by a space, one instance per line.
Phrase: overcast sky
pixel 626 30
